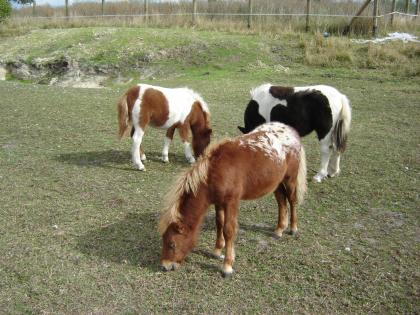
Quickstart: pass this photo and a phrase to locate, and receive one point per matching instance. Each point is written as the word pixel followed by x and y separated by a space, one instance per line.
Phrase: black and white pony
pixel 320 107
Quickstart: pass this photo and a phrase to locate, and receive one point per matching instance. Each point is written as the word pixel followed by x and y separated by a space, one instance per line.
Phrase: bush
pixel 5 9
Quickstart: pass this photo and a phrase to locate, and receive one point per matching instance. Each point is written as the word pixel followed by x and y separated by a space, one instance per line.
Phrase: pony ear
pixel 242 129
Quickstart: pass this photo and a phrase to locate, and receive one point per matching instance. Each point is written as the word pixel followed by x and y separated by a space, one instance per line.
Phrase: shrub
pixel 5 9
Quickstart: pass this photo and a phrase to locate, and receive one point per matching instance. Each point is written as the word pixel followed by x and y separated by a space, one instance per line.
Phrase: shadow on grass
pixel 133 240
pixel 112 158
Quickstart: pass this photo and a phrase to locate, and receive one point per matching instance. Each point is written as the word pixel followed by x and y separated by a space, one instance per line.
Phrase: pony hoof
pixel 143 157
pixel 293 232
pixel 142 168
pixel 165 159
pixel 278 234
pixel 191 160
pixel 220 257
pixel 226 274
pixel 318 178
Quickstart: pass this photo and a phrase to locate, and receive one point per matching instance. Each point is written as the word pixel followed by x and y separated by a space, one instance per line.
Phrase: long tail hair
pixel 301 177
pixel 124 119
pixel 342 126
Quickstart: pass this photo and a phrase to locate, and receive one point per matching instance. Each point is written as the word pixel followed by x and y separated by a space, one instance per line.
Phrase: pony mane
pixel 198 98
pixel 187 182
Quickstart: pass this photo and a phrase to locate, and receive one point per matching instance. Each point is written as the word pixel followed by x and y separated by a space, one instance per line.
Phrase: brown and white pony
pixel 268 159
pixel 168 109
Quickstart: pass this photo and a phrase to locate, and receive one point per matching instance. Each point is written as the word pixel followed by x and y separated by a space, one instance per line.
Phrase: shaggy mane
pixel 188 181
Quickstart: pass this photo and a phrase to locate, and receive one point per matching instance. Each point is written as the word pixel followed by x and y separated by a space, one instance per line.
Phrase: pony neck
pixel 194 208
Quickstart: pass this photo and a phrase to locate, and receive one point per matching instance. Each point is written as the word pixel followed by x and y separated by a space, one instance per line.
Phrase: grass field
pixel 79 225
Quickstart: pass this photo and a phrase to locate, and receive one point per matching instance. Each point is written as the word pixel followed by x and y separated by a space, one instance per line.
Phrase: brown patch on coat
pixel 281 92
pixel 199 121
pixel 154 109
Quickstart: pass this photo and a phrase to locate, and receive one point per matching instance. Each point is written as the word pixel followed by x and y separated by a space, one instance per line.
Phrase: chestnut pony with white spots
pixel 268 159
pixel 168 109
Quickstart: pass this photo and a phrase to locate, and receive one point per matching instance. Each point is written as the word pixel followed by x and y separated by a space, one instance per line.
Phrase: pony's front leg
pixel 220 241
pixel 183 132
pixel 334 165
pixel 229 233
pixel 283 220
pixel 135 151
pixel 325 158
pixel 166 144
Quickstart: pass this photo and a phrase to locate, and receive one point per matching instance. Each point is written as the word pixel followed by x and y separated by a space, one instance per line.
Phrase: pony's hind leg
pixel 325 158
pixel 229 233
pixel 183 132
pixel 334 164
pixel 166 143
pixel 135 151
pixel 291 194
pixel 283 220
pixel 220 241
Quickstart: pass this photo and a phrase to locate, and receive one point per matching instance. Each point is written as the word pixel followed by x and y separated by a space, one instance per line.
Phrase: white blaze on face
pixel 275 142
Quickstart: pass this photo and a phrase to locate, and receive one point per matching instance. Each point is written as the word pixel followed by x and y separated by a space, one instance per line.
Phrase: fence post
pixel 417 8
pixel 102 7
pixel 407 6
pixel 146 10
pixel 394 6
pixel 67 9
pixel 194 18
pixel 375 18
pixel 34 8
pixel 249 13
pixel 308 10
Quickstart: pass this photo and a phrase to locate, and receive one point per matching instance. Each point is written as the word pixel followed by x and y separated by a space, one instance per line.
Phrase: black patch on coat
pixel 305 111
pixel 252 117
pixel 132 132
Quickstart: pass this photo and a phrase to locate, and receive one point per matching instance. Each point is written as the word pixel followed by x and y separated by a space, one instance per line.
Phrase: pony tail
pixel 301 177
pixel 342 126
pixel 123 117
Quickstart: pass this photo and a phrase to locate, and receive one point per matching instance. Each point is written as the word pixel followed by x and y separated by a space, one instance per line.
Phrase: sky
pixel 56 3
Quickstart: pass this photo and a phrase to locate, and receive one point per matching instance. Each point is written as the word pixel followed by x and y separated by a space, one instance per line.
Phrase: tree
pixel 23 1
pixel 5 9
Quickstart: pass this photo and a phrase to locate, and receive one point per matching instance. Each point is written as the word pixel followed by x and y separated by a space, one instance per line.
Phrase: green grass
pixel 79 225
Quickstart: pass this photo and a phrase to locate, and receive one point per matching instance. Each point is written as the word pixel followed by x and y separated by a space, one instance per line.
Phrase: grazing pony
pixel 168 109
pixel 321 108
pixel 269 159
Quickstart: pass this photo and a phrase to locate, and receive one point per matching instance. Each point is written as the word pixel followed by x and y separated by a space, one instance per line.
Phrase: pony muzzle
pixel 167 265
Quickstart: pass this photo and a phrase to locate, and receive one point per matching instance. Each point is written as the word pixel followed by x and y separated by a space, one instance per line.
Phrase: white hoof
pixel 139 166
pixel 165 159
pixel 191 160
pixel 334 174
pixel 319 177
pixel 143 157
pixel 227 271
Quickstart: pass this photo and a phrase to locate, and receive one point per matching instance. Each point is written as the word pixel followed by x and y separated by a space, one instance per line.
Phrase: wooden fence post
pixel 146 10
pixel 67 9
pixel 308 10
pixel 249 13
pixel 375 17
pixel 362 8
pixel 194 13
pixel 102 7
pixel 34 8
pixel 394 6
pixel 417 7
pixel 407 6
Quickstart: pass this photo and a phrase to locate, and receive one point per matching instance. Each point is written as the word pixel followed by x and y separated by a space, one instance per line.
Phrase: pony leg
pixel 325 158
pixel 166 143
pixel 291 194
pixel 229 233
pixel 142 154
pixel 183 132
pixel 280 194
pixel 334 165
pixel 135 151
pixel 220 241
